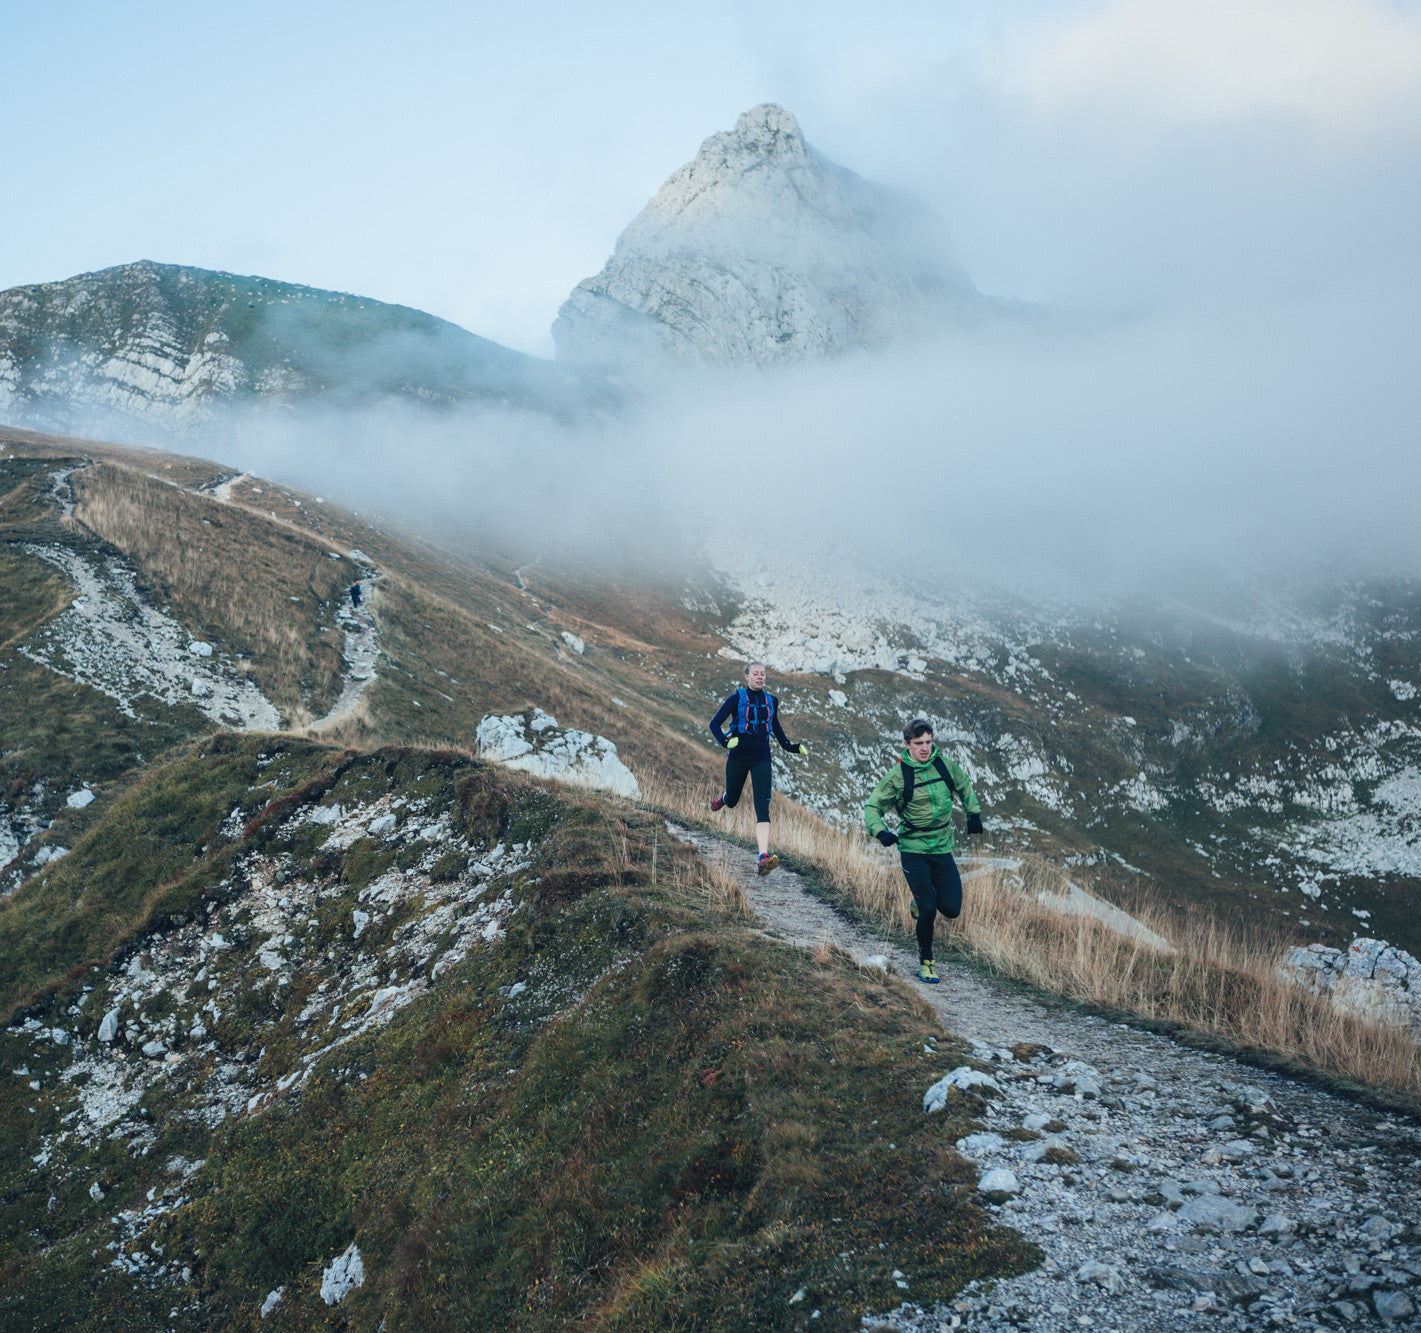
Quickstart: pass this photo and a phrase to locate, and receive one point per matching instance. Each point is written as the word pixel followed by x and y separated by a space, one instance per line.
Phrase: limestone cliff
pixel 761 251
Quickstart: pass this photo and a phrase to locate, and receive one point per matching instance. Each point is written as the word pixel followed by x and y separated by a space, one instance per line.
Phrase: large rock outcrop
pixel 1370 978
pixel 761 251
pixel 533 742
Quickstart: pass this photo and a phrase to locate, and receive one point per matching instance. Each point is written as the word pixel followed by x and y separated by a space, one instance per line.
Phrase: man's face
pixel 756 676
pixel 920 747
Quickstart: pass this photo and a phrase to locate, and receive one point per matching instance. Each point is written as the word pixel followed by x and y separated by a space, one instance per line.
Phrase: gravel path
pixel 361 652
pixel 1184 1186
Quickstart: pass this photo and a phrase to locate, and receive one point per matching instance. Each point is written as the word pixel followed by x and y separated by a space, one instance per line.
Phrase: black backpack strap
pixel 941 765
pixel 909 780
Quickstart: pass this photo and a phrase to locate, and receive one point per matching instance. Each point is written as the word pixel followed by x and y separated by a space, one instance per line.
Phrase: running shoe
pixel 719 802
pixel 768 861
pixel 927 973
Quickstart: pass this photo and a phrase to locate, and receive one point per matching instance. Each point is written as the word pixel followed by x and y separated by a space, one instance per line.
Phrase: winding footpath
pixel 361 652
pixel 1168 1187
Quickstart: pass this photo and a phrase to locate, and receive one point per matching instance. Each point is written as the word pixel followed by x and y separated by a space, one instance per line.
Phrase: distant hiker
pixel 753 714
pixel 920 788
pixel 355 595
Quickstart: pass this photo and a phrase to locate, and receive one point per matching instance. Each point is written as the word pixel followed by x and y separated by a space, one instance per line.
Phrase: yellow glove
pixel 802 748
pixel 732 742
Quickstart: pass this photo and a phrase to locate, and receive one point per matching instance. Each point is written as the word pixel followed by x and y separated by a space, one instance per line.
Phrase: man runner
pixel 920 788
pixel 753 715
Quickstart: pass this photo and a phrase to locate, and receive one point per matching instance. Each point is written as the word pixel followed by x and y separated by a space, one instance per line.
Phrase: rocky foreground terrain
pixel 1166 1186
pixel 329 1037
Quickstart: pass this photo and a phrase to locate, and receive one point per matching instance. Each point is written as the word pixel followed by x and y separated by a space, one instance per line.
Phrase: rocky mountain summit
pixel 759 252
pixel 172 347
pixel 762 252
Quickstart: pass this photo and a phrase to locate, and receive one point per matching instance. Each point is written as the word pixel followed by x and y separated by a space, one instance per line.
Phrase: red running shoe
pixel 719 802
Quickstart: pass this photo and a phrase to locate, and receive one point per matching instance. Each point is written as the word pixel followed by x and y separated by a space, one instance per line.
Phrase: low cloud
pixel 1154 66
pixel 1173 449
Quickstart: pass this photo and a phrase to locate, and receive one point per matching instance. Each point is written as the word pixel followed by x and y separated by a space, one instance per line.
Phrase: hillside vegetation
pixel 266 593
pixel 494 1036
pixel 464 634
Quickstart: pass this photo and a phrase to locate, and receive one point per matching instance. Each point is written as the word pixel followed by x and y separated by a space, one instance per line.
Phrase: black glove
pixel 974 825
pixel 886 836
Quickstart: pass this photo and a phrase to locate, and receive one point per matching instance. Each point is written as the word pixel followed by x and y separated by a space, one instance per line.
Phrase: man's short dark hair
pixel 917 727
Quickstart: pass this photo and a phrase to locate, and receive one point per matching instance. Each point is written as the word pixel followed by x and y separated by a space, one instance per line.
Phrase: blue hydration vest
pixel 748 716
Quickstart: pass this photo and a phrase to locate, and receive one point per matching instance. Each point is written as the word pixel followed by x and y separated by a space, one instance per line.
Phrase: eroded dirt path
pixel 1182 1186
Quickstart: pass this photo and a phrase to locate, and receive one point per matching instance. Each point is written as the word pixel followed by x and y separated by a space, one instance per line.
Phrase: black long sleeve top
pixel 755 739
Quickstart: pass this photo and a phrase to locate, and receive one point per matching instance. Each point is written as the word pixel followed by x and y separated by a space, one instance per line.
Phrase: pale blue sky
pixel 477 162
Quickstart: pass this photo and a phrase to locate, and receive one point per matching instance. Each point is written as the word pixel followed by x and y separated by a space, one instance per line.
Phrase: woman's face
pixel 920 747
pixel 755 677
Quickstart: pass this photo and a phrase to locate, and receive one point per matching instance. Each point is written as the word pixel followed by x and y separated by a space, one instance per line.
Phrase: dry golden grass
pixel 1223 982
pixel 725 876
pixel 263 589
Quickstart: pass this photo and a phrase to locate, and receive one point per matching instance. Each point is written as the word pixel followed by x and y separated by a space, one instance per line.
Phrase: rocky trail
pixel 1168 1187
pixel 361 652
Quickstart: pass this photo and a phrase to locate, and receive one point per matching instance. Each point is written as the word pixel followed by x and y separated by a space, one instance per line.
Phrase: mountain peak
pixel 761 250
pixel 767 129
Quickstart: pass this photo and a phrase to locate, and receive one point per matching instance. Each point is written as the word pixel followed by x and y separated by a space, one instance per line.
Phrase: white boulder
pixel 535 743
pixel 1213 1212
pixel 346 1272
pixel 935 1098
pixel 999 1180
pixel 1371 978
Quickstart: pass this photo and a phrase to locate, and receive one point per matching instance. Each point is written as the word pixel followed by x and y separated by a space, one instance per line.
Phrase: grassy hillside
pixel 1203 765
pixel 541 1083
pixel 266 592
pixel 57 733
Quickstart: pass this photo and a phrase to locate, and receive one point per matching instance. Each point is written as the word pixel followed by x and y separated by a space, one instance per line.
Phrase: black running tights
pixel 935 883
pixel 758 771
